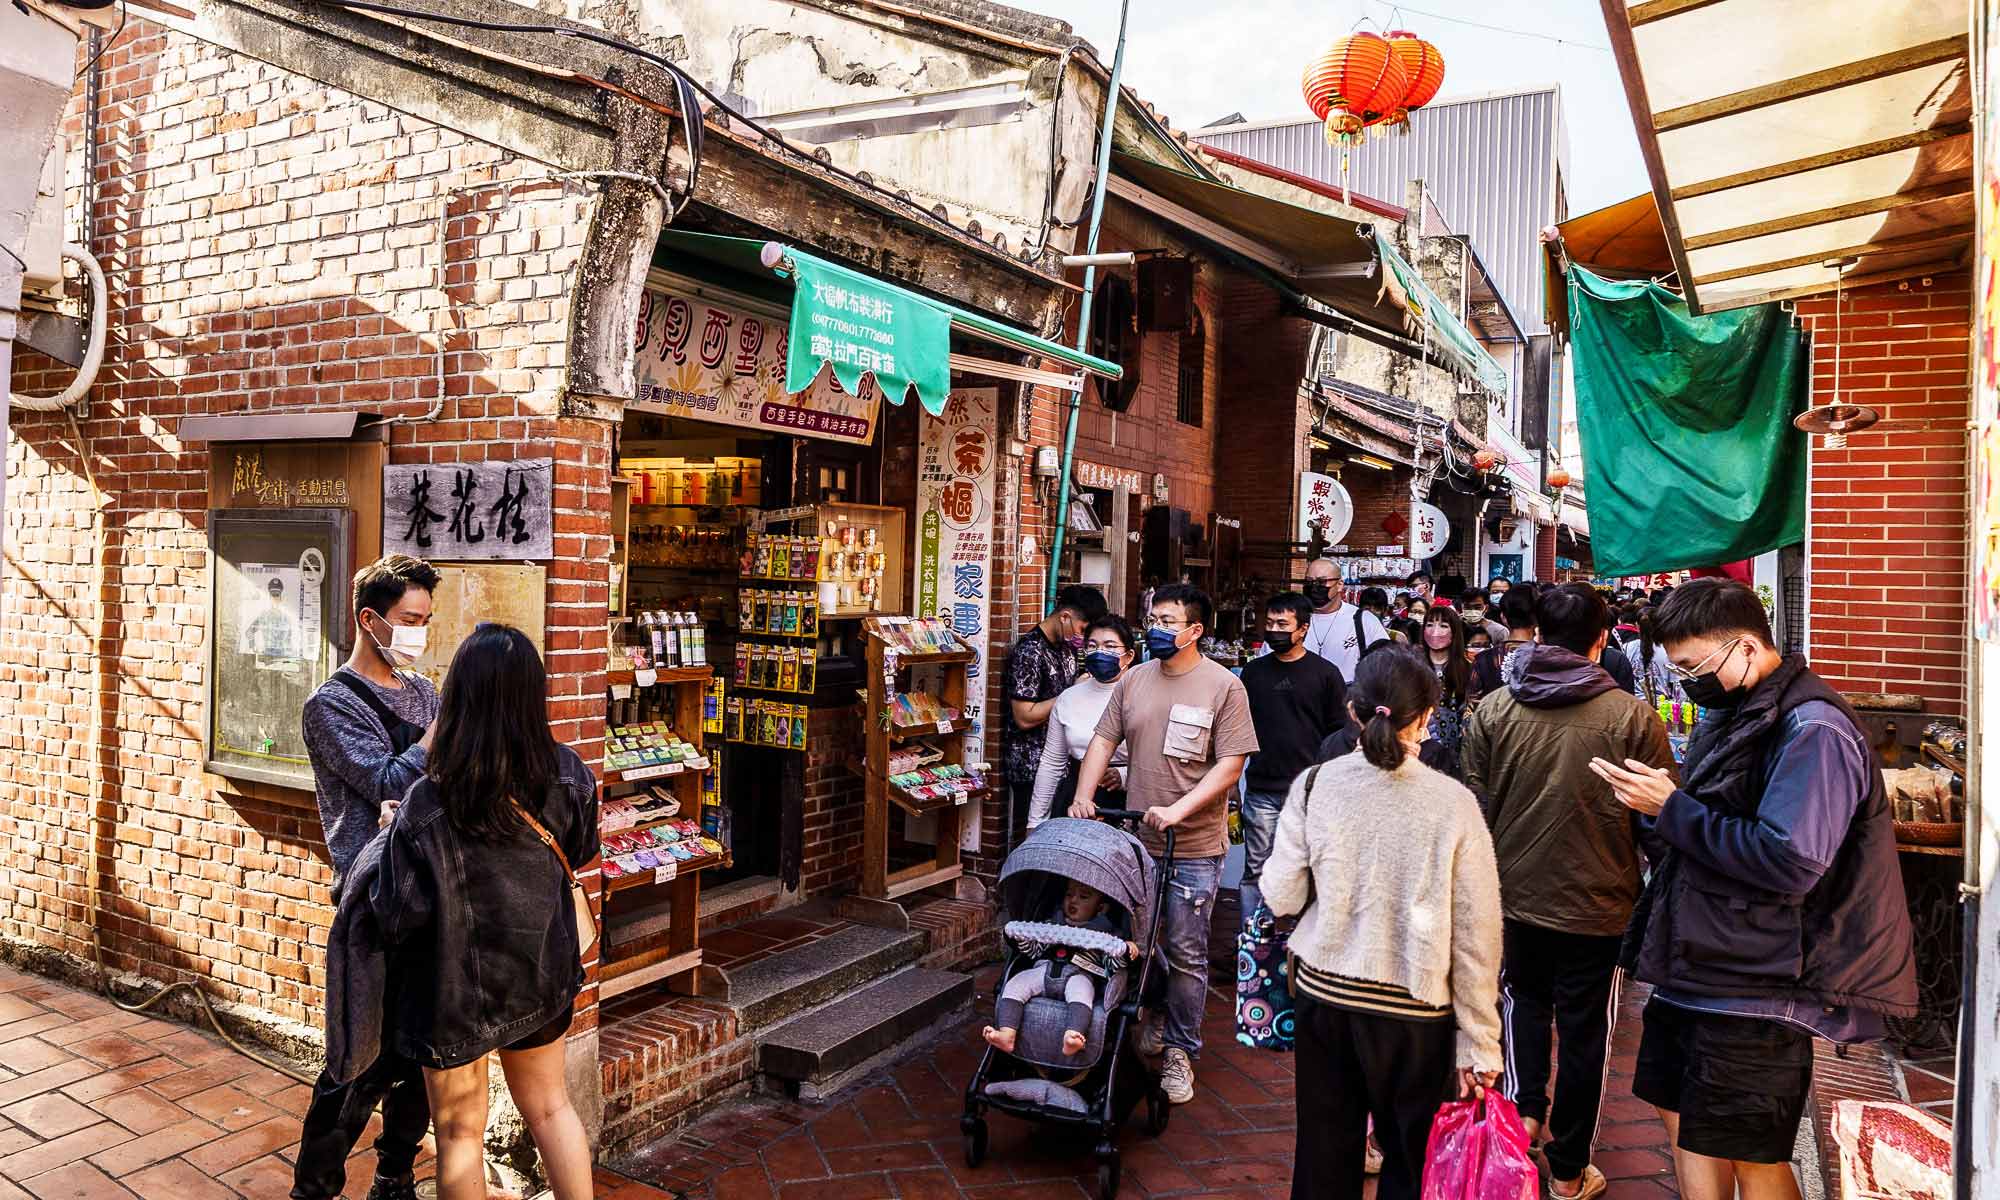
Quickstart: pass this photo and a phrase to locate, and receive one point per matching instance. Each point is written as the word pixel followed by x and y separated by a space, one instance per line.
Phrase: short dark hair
pixel 1472 597
pixel 1519 607
pixel 381 583
pixel 1709 608
pixel 1194 603
pixel 1503 579
pixel 1372 596
pixel 1116 624
pixel 1416 575
pixel 1572 616
pixel 1294 603
pixel 1085 601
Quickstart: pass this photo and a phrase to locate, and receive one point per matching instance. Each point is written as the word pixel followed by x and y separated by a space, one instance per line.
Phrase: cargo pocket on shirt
pixel 1189 731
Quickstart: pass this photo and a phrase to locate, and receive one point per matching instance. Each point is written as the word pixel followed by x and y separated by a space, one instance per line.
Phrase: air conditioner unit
pixel 42 275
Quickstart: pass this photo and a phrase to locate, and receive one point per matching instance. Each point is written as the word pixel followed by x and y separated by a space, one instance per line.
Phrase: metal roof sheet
pixel 1490 162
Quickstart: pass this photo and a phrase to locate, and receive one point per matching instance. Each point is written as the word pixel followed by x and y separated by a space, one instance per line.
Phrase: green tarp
pixel 1459 349
pixel 1688 444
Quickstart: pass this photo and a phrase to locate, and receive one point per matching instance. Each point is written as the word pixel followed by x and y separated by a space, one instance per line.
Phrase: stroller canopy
pixel 1093 853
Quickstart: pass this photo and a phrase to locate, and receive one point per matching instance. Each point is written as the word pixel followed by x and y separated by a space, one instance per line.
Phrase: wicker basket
pixel 1930 833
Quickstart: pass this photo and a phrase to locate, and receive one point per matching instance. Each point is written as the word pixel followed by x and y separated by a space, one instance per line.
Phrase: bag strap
pixel 547 840
pixel 1305 796
pixel 366 695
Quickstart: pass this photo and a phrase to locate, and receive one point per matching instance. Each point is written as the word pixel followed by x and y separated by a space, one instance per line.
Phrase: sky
pixel 1198 60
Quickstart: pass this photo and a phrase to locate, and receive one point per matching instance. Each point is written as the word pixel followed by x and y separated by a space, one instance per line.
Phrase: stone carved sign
pixel 461 511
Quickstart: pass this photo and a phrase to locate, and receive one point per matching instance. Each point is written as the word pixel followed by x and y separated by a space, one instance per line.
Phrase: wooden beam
pixel 1820 216
pixel 1866 249
pixel 1832 158
pixel 1649 11
pixel 638 971
pixel 1618 27
pixel 1878 66
pixel 1940 267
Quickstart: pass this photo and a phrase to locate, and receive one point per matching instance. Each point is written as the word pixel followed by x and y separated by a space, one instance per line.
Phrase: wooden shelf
pixel 630 974
pixel 644 825
pixel 654 773
pixel 906 658
pixel 915 807
pixel 663 675
pixel 645 878
pixel 919 877
pixel 903 733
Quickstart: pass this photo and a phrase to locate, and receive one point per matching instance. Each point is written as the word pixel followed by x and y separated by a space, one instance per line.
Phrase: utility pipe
pixel 1089 294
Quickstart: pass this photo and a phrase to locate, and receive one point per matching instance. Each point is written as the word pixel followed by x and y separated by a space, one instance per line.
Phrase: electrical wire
pixel 123 15
pixel 1397 8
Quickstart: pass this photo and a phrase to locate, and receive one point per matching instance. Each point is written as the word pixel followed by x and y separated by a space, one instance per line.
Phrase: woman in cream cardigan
pixel 1396 957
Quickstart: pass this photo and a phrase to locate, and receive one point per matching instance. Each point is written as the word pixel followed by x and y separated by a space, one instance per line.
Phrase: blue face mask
pixel 1162 643
pixel 1103 665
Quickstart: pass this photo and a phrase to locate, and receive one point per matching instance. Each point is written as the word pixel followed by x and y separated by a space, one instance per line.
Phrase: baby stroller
pixel 1097 1088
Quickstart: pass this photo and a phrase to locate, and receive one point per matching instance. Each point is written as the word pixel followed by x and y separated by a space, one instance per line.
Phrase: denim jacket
pixel 447 948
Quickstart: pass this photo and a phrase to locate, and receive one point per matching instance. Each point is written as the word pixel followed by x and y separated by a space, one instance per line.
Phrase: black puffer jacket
pixel 448 948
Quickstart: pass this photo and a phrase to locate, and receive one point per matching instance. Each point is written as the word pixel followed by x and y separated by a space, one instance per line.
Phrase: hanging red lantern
pixel 1485 460
pixel 1424 65
pixel 1359 81
pixel 1559 479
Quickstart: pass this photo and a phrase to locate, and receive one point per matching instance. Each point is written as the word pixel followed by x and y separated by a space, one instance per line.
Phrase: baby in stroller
pixel 1078 954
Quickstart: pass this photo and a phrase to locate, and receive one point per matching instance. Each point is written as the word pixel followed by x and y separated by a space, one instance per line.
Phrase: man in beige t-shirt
pixel 1185 723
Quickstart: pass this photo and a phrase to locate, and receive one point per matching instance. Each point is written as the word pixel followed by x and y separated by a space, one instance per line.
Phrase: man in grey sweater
pixel 368 733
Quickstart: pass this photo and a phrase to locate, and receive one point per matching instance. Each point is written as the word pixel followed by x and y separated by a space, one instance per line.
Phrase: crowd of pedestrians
pixel 1473 812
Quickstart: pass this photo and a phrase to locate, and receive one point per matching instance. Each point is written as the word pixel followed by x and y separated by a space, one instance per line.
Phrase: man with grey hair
pixel 1340 631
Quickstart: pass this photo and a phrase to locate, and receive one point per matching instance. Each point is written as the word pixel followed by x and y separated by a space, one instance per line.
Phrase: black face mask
pixel 1319 593
pixel 1279 640
pixel 1708 692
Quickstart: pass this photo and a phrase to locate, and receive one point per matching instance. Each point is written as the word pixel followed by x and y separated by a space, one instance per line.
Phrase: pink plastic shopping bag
pixel 1478 1150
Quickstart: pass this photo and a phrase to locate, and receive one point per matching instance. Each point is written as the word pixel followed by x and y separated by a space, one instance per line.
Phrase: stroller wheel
pixel 974 1129
pixel 1157 1112
pixel 1108 1171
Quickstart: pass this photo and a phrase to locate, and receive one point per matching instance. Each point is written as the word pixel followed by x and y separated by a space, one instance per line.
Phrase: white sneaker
pixel 1177 1076
pixel 1150 1038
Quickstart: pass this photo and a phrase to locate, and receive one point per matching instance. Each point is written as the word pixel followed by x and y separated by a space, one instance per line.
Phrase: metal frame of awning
pixel 1798 145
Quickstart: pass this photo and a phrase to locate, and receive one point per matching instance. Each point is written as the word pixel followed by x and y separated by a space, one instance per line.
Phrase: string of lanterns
pixel 1367 79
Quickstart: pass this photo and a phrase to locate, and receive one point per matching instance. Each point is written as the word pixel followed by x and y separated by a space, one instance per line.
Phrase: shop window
pixel 1193 371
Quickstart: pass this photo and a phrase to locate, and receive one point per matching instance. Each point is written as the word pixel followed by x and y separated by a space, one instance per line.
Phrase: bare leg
pixel 1766 1181
pixel 1701 1177
pixel 535 1080
pixel 458 1118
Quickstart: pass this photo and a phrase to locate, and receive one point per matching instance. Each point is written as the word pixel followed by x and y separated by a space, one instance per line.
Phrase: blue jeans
pixel 1184 941
pixel 1260 833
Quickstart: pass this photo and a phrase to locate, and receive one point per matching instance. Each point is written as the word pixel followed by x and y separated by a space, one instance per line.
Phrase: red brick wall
pixel 1377 496
pixel 269 244
pixel 1886 523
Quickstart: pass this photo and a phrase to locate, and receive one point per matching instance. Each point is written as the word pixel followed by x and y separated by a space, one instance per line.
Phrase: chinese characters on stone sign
pixel 453 511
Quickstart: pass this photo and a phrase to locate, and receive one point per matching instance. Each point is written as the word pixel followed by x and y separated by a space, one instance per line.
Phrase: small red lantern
pixel 1485 460
pixel 1559 479
pixel 1359 81
pixel 1425 67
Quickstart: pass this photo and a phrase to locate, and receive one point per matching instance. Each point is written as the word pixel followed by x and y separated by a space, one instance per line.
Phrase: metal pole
pixel 1089 293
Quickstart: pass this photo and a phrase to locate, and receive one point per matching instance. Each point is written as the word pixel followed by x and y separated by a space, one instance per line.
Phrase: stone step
pixel 768 990
pixel 816 1046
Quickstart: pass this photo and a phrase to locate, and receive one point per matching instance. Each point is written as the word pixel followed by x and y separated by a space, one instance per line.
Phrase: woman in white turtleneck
pixel 1109 650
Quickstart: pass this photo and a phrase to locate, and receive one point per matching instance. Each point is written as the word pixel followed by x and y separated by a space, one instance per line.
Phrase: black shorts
pixel 547 1033
pixel 1738 1083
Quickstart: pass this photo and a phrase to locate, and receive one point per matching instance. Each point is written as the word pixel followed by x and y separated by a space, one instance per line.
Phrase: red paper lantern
pixel 1559 479
pixel 1425 67
pixel 1485 460
pixel 1359 81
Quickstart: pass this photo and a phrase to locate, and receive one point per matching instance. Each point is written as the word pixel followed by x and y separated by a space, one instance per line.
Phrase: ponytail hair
pixel 1391 689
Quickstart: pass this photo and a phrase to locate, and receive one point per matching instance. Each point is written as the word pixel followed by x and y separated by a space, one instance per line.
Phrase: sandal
pixel 1590 1185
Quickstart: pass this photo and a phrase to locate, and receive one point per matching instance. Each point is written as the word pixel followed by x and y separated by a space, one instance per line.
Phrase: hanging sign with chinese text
pixel 474 510
pixel 1432 532
pixel 956 456
pixel 708 363
pixel 863 326
pixel 1324 504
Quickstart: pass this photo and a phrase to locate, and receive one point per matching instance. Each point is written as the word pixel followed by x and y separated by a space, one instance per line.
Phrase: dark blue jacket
pixel 1780 878
pixel 448 948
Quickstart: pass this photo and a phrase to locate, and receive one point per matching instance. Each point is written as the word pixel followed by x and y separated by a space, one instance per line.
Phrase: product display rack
pixel 673 953
pixel 941 741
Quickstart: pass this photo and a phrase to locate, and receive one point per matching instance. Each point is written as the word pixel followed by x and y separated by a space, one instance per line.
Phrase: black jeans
pixel 1571 980
pixel 339 1116
pixel 1354 1065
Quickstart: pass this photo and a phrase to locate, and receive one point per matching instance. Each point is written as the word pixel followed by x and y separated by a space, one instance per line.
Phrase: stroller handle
pixel 1127 816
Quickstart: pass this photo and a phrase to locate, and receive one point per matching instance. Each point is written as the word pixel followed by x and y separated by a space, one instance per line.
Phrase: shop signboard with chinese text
pixel 860 326
pixel 1323 504
pixel 1432 532
pixel 458 512
pixel 957 455
pixel 1108 479
pixel 706 362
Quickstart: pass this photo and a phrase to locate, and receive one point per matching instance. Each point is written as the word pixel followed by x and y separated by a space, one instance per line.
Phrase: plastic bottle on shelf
pixel 700 631
pixel 656 636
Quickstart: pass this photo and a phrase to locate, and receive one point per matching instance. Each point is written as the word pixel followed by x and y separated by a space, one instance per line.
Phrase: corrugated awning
pixel 1794 142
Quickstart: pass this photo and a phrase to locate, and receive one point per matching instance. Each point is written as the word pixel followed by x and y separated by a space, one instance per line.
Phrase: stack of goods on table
pixel 671 842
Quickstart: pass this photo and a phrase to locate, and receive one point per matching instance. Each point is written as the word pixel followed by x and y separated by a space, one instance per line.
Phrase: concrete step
pixel 768 990
pixel 820 1045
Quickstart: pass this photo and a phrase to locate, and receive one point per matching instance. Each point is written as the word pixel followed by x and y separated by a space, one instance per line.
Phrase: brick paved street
pixel 896 1135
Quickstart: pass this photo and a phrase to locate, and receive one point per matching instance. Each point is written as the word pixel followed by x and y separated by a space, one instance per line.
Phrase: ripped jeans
pixel 1184 941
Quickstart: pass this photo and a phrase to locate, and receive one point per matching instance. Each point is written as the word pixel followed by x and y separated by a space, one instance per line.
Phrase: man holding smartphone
pixel 1776 914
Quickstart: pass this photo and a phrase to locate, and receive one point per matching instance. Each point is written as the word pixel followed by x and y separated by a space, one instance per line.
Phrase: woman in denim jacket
pixel 473 910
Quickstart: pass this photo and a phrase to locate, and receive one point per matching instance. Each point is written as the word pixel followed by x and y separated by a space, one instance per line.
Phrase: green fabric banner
pixel 861 326
pixel 1688 444
pixel 1461 350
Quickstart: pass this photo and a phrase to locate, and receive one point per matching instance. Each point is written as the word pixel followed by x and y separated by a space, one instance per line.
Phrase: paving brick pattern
pixel 896 1134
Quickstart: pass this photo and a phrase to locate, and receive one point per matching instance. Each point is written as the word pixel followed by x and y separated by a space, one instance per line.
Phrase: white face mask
pixel 406 644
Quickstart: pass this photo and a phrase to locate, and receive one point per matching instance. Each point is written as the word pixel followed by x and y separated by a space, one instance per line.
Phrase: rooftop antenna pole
pixel 1089 294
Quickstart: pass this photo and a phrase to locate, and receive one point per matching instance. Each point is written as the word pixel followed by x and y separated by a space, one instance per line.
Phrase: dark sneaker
pixel 393 1189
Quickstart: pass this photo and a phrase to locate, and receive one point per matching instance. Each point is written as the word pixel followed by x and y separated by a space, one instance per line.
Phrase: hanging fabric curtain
pixel 1458 348
pixel 1687 428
